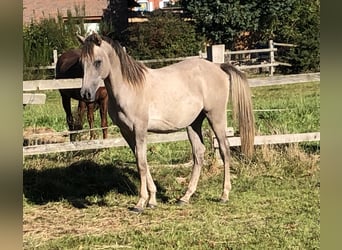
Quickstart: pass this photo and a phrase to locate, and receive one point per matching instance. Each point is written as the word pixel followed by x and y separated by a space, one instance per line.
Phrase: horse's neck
pixel 116 82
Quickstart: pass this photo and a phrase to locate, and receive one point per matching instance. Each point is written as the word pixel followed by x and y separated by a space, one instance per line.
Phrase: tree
pixel 41 38
pixel 222 21
pixel 115 18
pixel 164 35
pixel 289 21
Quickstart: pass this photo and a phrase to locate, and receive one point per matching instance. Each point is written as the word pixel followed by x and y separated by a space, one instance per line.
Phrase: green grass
pixel 268 209
pixel 80 200
pixel 50 114
pixel 299 108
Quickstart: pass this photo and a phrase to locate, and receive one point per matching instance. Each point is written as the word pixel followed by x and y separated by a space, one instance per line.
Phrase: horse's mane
pixel 132 71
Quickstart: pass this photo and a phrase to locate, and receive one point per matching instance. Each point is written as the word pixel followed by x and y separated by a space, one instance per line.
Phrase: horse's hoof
pixel 137 210
pixel 223 201
pixel 181 203
pixel 152 206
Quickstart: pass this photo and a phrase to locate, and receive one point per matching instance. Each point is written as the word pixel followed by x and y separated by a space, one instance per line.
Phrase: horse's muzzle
pixel 86 95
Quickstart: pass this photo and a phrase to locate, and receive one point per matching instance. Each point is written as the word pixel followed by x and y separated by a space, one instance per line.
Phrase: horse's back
pixel 69 65
pixel 193 77
pixel 179 92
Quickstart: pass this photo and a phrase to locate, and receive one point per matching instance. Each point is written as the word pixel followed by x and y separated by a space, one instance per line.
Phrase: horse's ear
pixel 97 39
pixel 80 38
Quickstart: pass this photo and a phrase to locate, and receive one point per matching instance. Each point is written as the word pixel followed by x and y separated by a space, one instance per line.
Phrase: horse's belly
pixel 165 126
pixel 172 114
pixel 162 126
pixel 170 122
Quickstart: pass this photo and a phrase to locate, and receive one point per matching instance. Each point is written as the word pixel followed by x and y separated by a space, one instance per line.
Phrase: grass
pixel 80 200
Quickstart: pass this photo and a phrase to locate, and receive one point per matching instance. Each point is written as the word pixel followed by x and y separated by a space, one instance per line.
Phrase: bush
pixel 164 35
pixel 41 38
pixel 286 21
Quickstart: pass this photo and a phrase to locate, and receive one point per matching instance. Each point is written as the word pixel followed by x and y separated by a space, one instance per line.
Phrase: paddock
pixel 79 198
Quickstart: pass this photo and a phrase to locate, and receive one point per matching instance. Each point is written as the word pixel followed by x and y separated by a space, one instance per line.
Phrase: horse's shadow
pixel 80 180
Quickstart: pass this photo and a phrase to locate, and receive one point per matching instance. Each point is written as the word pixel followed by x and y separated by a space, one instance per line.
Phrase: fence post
pixel 271 45
pixel 215 53
pixel 54 57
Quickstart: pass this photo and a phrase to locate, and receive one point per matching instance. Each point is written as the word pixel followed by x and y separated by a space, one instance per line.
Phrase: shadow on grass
pixel 76 182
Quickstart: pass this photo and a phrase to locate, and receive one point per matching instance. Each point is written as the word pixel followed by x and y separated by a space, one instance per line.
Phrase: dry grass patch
pixel 42 135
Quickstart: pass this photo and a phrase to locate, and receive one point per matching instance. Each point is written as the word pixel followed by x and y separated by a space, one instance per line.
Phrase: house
pixel 150 5
pixel 35 10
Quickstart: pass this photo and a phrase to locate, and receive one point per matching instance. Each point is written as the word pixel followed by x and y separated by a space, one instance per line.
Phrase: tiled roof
pixel 37 9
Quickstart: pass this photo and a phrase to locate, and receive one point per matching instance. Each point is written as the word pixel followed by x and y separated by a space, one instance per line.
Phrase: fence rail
pixel 34 98
pixel 160 138
pixel 98 144
pixel 271 62
pixel 55 84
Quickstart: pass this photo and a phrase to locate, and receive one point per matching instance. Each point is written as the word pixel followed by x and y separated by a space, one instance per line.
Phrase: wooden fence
pixel 215 53
pixel 34 97
pixel 271 62
pixel 158 138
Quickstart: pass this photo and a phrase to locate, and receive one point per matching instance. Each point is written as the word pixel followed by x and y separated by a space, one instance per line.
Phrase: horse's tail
pixel 242 107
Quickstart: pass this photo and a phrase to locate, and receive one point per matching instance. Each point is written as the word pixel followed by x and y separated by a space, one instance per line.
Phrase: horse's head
pixel 96 65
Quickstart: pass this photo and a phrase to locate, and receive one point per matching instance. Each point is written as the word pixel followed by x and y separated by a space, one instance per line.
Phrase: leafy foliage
pixel 41 38
pixel 292 21
pixel 248 23
pixel 165 35
pixel 257 21
pixel 222 21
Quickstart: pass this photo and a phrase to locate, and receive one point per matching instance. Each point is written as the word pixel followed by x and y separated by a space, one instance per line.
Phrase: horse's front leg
pixel 70 120
pixel 82 106
pixel 90 116
pixel 147 187
pixel 103 113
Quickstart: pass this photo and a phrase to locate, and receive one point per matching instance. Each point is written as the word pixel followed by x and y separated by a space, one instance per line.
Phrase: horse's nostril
pixel 85 94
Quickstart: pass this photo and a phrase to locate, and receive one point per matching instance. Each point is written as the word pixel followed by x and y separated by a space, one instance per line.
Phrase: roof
pixel 38 9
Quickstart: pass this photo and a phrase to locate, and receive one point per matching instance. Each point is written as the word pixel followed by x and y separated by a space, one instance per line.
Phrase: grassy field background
pixel 80 200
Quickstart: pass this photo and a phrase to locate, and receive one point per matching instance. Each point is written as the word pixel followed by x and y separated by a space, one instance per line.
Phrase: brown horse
pixel 165 100
pixel 69 66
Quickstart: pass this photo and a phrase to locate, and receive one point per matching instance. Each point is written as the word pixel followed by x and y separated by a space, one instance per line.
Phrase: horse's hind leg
pixel 218 123
pixel 198 150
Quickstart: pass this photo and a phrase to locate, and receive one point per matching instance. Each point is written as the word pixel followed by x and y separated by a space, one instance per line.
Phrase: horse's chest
pixel 119 115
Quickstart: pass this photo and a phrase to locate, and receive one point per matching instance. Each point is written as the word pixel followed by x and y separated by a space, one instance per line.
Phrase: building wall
pixel 38 9
pixel 150 5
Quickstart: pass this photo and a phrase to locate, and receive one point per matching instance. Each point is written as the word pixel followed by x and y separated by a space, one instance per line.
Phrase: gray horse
pixel 165 100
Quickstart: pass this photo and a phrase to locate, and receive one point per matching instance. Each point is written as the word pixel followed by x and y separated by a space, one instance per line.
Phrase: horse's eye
pixel 97 63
